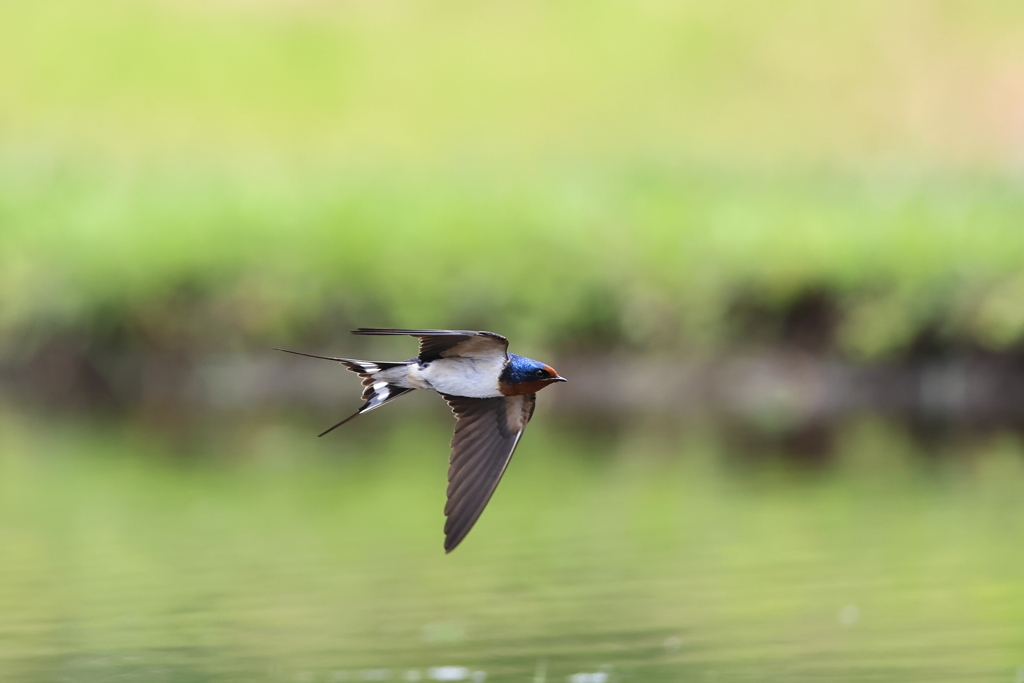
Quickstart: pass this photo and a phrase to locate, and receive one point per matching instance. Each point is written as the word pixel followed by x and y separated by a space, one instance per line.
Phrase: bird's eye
pixel 541 372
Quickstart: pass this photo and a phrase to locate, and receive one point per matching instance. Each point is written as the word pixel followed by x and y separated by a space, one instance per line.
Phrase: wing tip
pixel 409 331
pixel 452 542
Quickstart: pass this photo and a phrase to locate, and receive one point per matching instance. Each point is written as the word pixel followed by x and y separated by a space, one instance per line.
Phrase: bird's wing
pixel 436 344
pixel 486 433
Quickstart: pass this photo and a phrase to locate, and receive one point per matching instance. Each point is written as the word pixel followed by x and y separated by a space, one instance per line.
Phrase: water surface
pixel 611 553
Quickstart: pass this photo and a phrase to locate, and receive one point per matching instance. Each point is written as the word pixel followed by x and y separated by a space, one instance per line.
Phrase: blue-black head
pixel 526 376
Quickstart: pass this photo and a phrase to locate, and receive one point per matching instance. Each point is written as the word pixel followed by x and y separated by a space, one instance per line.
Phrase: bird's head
pixel 526 376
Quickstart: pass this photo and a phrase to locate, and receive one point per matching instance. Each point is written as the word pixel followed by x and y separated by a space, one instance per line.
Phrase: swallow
pixel 491 392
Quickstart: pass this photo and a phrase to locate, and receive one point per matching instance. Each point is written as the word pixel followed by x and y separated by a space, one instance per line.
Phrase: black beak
pixel 556 378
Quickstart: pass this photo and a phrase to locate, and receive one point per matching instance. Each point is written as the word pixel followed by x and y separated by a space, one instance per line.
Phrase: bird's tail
pixel 376 389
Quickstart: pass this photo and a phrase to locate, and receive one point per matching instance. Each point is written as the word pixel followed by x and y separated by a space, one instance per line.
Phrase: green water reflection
pixel 643 553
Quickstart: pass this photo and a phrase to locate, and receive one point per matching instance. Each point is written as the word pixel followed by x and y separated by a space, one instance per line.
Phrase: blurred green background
pixel 806 217
pixel 552 170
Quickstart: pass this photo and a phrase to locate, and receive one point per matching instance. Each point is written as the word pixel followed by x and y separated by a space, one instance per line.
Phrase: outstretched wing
pixel 486 433
pixel 436 344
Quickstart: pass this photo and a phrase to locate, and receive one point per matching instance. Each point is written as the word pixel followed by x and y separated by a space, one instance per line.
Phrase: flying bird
pixel 491 392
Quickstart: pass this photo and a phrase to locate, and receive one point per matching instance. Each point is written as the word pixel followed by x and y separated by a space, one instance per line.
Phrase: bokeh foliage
pixel 219 173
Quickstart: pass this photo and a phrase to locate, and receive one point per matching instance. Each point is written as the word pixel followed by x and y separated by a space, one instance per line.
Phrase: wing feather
pixel 436 344
pixel 487 431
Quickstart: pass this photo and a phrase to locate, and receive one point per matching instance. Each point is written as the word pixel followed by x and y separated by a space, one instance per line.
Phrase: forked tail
pixel 376 390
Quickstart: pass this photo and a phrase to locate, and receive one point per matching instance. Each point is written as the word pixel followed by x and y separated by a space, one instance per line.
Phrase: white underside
pixel 473 377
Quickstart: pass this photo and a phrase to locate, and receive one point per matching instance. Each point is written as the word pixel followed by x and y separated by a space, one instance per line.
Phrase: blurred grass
pixel 263 553
pixel 237 171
